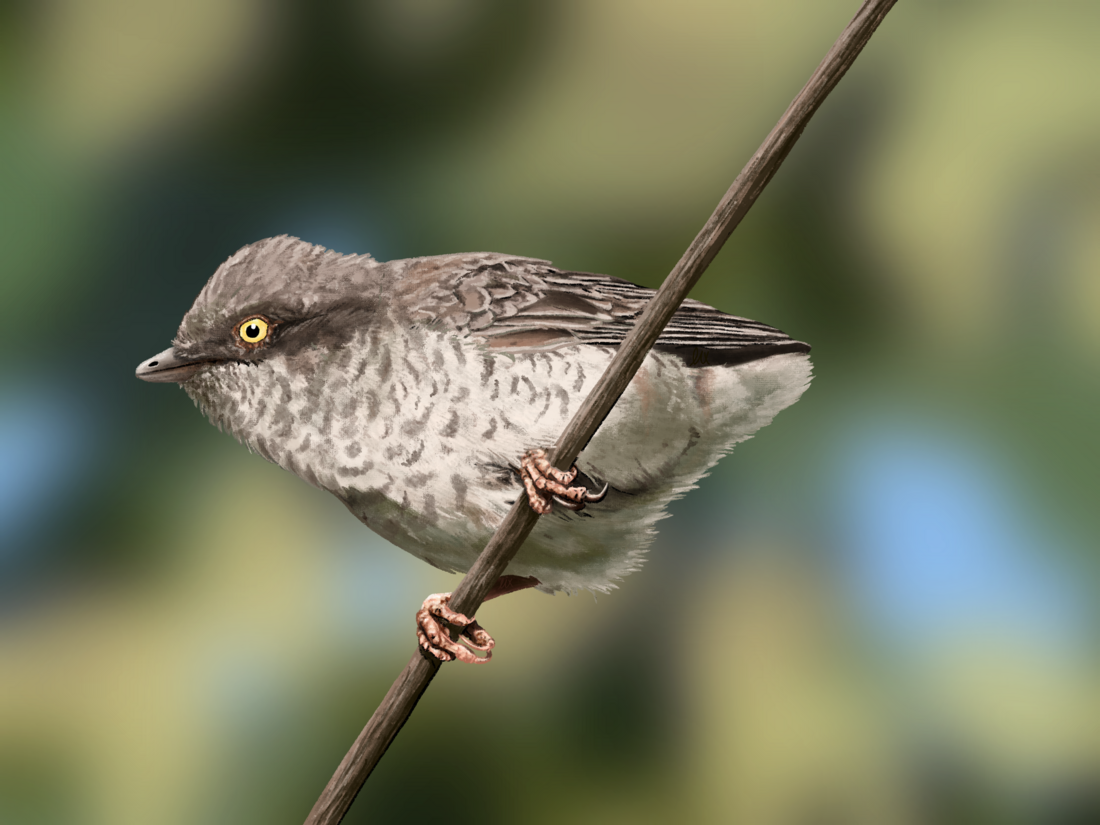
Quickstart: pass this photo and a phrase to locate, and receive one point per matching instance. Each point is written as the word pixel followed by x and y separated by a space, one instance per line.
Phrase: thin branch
pixel 403 695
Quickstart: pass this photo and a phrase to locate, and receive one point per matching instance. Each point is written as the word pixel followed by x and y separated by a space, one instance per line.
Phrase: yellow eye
pixel 253 331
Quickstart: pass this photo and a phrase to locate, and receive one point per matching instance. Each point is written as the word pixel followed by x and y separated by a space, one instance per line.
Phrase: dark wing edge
pixel 697 332
pixel 523 305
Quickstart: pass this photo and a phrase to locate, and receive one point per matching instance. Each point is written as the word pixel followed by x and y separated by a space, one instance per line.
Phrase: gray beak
pixel 169 368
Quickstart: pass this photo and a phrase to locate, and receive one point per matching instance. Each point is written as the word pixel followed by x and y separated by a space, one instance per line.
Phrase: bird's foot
pixel 434 638
pixel 546 484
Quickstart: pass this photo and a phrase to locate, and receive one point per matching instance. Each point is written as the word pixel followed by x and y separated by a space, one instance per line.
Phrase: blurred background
pixel 882 609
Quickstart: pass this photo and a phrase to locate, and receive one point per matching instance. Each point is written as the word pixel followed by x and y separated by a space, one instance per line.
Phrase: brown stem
pixel 490 565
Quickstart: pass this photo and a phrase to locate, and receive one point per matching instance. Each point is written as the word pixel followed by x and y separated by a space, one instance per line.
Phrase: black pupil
pixel 252 331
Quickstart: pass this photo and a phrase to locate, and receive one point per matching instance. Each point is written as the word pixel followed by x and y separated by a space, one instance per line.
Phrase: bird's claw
pixel 435 639
pixel 546 484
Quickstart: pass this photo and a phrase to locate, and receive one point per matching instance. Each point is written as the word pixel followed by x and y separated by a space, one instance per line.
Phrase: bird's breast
pixel 424 420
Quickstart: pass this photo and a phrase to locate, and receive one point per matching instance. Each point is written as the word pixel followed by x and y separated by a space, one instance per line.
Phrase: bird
pixel 425 394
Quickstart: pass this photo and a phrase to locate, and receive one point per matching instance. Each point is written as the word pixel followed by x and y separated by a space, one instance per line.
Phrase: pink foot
pixel 546 484
pixel 436 640
pixel 432 618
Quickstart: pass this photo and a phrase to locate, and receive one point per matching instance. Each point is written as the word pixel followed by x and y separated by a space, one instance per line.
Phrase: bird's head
pixel 272 299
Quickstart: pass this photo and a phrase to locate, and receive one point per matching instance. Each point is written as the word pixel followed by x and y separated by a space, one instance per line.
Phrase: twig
pixel 403 695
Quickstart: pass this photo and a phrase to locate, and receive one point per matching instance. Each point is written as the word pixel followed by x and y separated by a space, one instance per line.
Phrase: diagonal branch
pixel 403 695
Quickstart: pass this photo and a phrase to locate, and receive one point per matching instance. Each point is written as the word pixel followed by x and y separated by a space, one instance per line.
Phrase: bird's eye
pixel 253 331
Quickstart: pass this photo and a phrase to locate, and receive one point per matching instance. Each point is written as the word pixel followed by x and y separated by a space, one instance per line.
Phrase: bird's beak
pixel 169 367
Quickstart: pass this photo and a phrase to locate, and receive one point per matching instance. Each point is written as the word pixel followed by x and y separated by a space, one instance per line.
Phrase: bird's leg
pixel 546 484
pixel 436 613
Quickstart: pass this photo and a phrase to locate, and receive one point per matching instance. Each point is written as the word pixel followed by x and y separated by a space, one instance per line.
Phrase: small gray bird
pixel 423 394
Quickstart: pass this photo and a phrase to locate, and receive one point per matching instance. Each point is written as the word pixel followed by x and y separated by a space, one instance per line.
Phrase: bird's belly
pixel 667 430
pixel 427 454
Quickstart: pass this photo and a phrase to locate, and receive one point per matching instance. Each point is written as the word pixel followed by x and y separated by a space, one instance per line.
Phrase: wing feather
pixel 521 304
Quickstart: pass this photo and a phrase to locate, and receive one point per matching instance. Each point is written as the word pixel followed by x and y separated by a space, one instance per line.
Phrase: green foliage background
pixel 882 609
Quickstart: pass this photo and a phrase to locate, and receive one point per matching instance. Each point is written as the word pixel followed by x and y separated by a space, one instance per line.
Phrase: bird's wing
pixel 521 304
